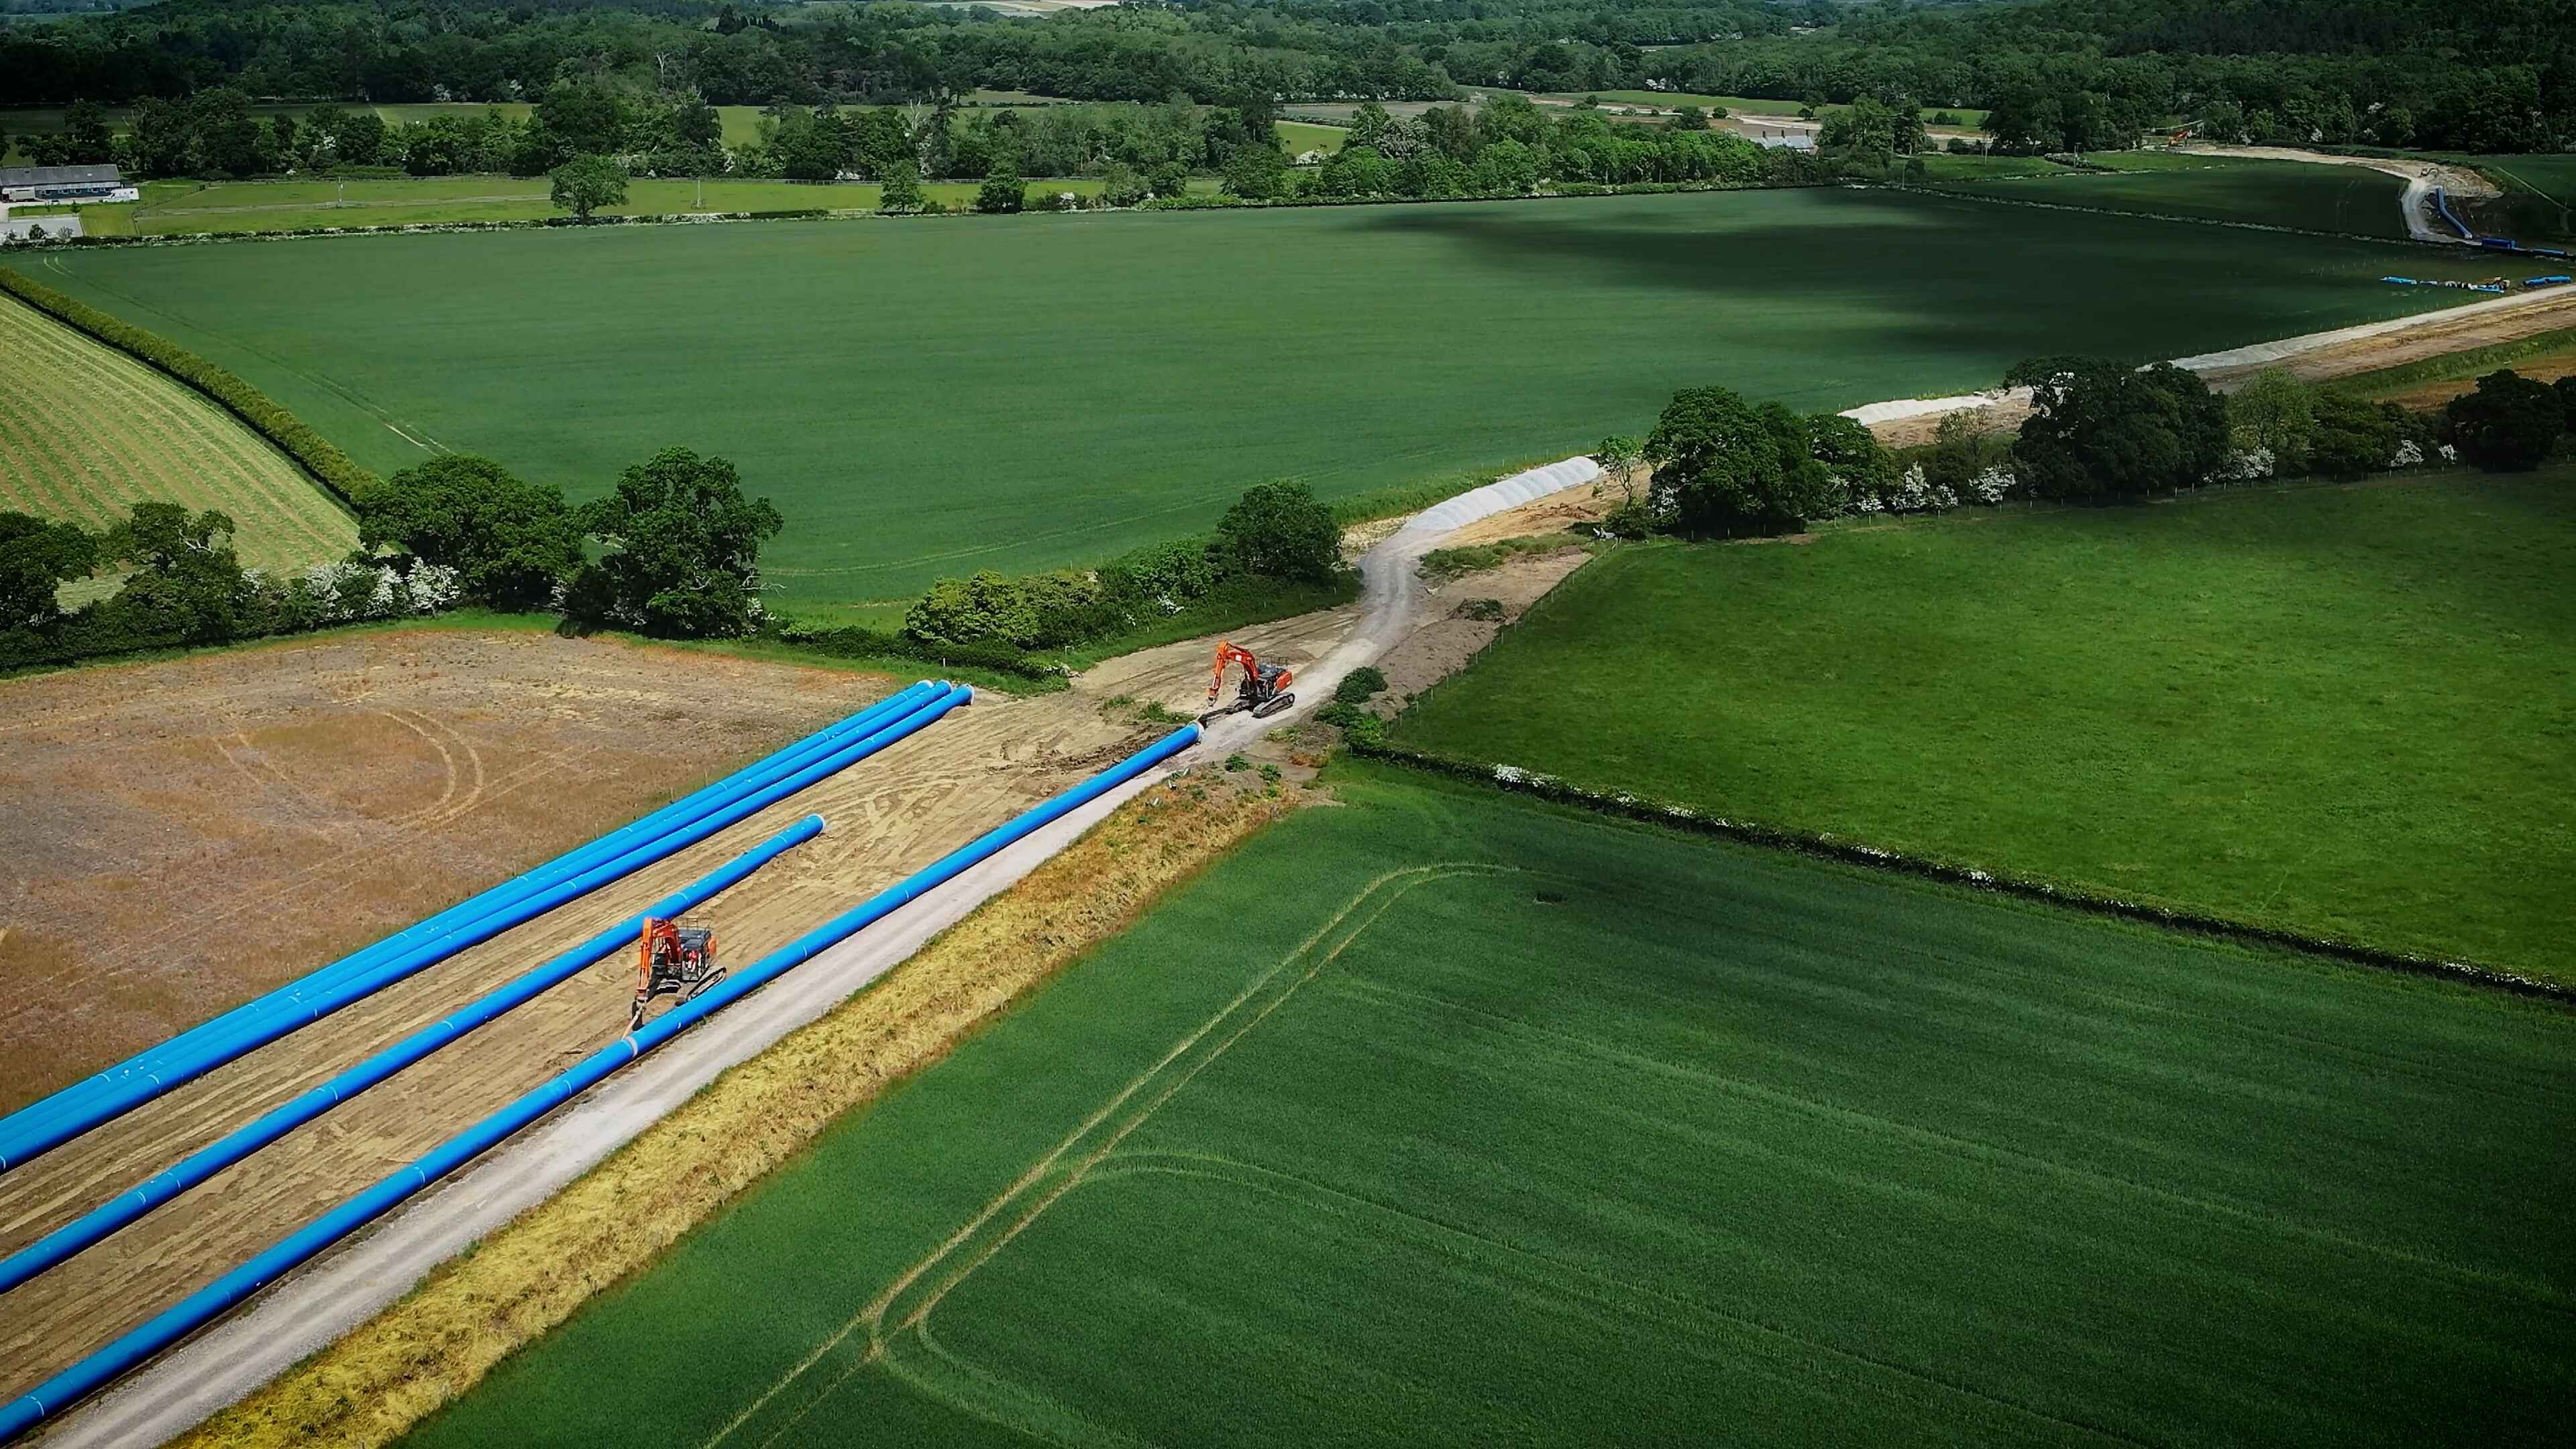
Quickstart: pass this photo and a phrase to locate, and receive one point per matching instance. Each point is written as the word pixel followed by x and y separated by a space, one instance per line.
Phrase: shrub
pixel 1163 577
pixel 1279 531
pixel 1486 610
pixel 2509 424
pixel 1359 684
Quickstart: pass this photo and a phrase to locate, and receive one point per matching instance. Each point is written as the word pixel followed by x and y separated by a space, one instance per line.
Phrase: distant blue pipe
pixel 130 1092
pixel 81 1233
pixel 16 1125
pixel 201 1307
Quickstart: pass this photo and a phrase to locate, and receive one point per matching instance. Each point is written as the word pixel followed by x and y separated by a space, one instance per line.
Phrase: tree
pixel 228 138
pixel 1256 173
pixel 1620 456
pixel 582 119
pixel 1170 179
pixel 187 581
pixel 36 559
pixel 2349 436
pixel 509 540
pixel 2509 424
pixel 2100 429
pixel 1279 531
pixel 1725 466
pixel 1690 118
pixel 88 140
pixel 901 193
pixel 1851 456
pixel 1369 125
pixel 684 548
pixel 2274 413
pixel 1121 186
pixel 1001 191
pixel 1964 445
pixel 584 184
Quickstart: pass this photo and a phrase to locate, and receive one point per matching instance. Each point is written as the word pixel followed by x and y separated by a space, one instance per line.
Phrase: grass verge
pixel 478 1309
pixel 2455 366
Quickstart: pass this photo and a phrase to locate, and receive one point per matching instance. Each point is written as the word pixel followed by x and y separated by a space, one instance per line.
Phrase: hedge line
pixel 293 436
pixel 1677 817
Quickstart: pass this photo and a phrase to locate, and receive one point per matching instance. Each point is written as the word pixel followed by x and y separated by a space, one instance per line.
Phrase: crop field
pixel 86 432
pixel 1446 1117
pixel 2328 710
pixel 2351 199
pixel 183 207
pixel 929 397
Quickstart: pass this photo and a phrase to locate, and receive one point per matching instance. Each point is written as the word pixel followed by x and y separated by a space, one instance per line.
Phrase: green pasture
pixel 2350 199
pixel 1299 137
pixel 1444 1117
pixel 932 396
pixel 2340 711
pixel 191 207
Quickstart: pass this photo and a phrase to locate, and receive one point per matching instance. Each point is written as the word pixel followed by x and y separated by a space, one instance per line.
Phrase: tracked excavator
pixel 1264 690
pixel 676 961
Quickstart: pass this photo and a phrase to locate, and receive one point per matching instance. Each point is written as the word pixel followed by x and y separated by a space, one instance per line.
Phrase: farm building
pixel 64 183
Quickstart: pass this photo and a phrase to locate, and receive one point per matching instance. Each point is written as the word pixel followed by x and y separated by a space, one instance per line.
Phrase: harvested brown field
pixel 369 1387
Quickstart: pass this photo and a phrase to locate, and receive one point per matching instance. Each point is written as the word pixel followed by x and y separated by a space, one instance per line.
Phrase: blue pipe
pixel 85 1231
pixel 133 1091
pixel 203 1306
pixel 658 821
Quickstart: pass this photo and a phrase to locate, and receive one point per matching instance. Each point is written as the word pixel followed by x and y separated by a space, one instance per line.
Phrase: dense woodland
pixel 2499 75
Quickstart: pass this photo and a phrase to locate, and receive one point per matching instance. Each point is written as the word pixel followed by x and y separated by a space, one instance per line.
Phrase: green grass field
pixel 2349 199
pixel 1443 1117
pixel 929 397
pixel 1299 137
pixel 188 207
pixel 2339 711
pixel 86 432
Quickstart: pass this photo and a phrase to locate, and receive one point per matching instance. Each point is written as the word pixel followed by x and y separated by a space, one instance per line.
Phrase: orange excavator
pixel 1264 690
pixel 677 961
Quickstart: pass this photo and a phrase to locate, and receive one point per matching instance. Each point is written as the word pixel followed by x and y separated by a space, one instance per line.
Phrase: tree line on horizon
pixel 2497 76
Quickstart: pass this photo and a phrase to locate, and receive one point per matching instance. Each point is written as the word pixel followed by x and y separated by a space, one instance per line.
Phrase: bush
pixel 1488 611
pixel 2509 424
pixel 1359 684
pixel 1279 531
pixel 1163 577
pixel 289 432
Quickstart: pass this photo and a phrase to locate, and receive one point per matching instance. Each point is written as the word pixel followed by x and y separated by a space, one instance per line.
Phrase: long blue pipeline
pixel 689 807
pixel 129 1092
pixel 203 1306
pixel 88 1229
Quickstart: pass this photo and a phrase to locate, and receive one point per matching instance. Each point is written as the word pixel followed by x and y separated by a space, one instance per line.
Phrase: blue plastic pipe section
pixel 203 1306
pixel 129 1092
pixel 83 1232
pixel 650 826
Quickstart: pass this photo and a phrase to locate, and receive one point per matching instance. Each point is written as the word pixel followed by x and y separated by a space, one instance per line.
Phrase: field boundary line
pixel 871 1317
pixel 1627 806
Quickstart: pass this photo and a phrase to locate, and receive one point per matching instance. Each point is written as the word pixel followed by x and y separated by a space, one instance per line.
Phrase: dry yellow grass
pixel 438 1342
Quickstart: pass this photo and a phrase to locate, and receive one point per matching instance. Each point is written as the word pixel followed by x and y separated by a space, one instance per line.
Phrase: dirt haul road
pixel 2421 177
pixel 2315 357
pixel 890 815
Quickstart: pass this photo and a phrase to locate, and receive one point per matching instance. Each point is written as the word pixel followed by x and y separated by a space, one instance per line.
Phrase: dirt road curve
pixel 889 816
pixel 2317 357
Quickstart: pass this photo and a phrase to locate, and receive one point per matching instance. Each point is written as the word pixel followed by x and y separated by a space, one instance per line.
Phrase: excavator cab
pixel 1264 690
pixel 676 961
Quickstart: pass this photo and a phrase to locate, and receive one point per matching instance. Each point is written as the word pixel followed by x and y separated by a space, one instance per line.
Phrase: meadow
pixel 2348 199
pixel 933 396
pixel 87 431
pixel 1448 1117
pixel 2337 711
pixel 189 207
